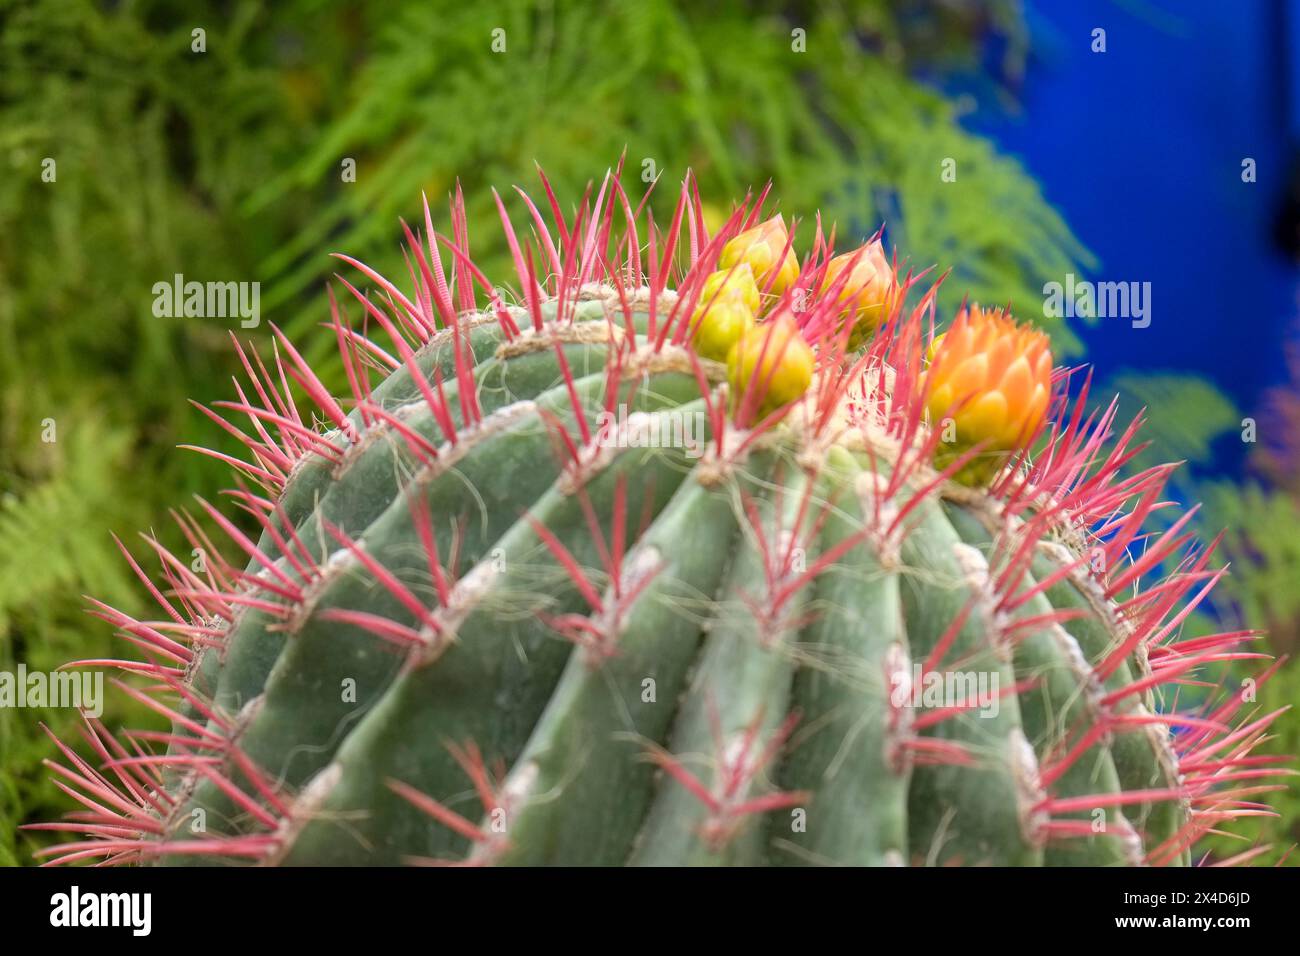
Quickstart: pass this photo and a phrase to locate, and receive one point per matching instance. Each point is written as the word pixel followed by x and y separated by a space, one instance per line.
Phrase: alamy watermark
pixel 666 429
pixel 1085 299
pixel 133 911
pixel 82 689
pixel 179 299
pixel 975 691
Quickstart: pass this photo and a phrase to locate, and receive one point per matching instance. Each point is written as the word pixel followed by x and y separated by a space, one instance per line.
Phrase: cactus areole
pixel 547 584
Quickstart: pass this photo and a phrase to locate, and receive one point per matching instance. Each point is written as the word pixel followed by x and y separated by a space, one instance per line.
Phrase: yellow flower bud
pixel 786 367
pixel 869 292
pixel 1001 374
pixel 730 283
pixel 761 248
pixel 717 327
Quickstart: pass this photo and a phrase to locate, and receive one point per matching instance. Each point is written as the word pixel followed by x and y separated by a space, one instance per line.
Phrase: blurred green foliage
pixel 1185 414
pixel 226 165
pixel 718 88
pixel 1260 547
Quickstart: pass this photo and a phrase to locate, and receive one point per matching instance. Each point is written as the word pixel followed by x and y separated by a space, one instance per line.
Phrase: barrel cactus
pixel 684 549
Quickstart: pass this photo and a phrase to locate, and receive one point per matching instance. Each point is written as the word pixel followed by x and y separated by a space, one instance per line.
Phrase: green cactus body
pixel 553 595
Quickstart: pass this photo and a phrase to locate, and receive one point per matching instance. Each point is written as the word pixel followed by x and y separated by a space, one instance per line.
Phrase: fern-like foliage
pixel 1262 543
pixel 148 158
pixel 729 90
pixel 1260 547
pixel 49 555
pixel 1185 414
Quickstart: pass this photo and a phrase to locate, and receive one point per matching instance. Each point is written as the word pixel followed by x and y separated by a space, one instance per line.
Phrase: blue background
pixel 1141 149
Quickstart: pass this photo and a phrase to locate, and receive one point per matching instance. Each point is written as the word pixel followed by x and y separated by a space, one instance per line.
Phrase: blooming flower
pixel 988 384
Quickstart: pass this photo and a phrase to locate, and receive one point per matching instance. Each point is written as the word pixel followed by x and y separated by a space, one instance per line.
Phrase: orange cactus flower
pixel 988 383
pixel 763 248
